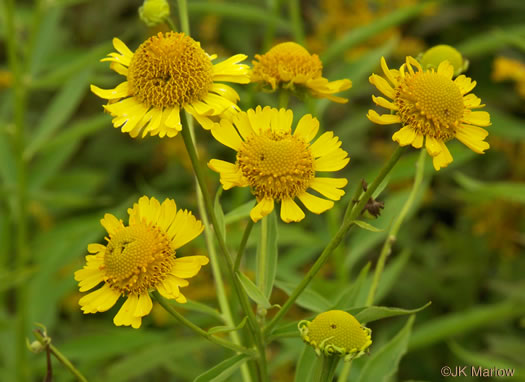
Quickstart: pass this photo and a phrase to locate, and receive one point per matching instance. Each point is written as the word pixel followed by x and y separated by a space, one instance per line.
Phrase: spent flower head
pixel 139 258
pixel 336 333
pixel 279 165
pixel 432 108
pixel 289 64
pixel 154 12
pixel 167 73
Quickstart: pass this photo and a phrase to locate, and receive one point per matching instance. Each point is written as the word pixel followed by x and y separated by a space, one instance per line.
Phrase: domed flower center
pixel 136 258
pixel 338 328
pixel 276 165
pixel 169 70
pixel 286 61
pixel 431 103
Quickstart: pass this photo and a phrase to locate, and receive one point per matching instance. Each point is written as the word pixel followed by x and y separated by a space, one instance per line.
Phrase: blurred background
pixel 462 248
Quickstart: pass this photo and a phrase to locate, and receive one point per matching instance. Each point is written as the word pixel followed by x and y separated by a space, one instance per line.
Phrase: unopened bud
pixel 153 12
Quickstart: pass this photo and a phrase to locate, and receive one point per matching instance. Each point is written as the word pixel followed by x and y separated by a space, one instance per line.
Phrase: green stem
pixel 284 98
pixel 262 255
pixel 242 246
pixel 296 19
pixel 20 210
pixel 269 32
pixel 170 23
pixel 336 240
pixel 241 294
pixel 391 238
pixel 210 337
pixel 327 368
pixel 183 14
pixel 345 372
pixel 353 201
pixel 61 357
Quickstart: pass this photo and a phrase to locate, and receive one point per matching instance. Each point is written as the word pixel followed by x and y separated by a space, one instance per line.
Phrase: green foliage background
pixel 462 247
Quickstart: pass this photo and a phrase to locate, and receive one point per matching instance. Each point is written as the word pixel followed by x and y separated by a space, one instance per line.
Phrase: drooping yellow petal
pixel 227 135
pixel 126 314
pixel 405 136
pixel 188 266
pixel 144 305
pixel 121 91
pixel 122 48
pixel 382 85
pixel 100 300
pixel 383 102
pixel 329 187
pixel 290 211
pixel 88 278
pixel 443 159
pixel 418 141
pixel 263 208
pixel 315 204
pixel 388 73
pixel 384 119
pixel 473 141
pixel 433 146
pixel 230 175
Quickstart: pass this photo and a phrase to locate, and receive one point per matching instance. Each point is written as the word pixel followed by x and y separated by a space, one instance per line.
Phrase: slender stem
pixel 335 241
pixel 353 201
pixel 262 255
pixel 284 98
pixel 296 19
pixel 183 14
pixel 242 246
pixel 269 33
pixel 241 294
pixel 345 372
pixel 170 23
pixel 327 368
pixel 210 337
pixel 20 210
pixel 61 357
pixel 391 238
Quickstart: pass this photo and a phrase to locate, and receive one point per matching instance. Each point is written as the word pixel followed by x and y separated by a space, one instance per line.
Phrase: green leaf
pixel 286 330
pixel 490 41
pixel 270 243
pixel 358 35
pixel 368 227
pixel 237 12
pixel 59 110
pixel 7 158
pixel 513 129
pixel 309 299
pixel 195 306
pixel 226 329
pixel 511 191
pixel 223 370
pixel 219 213
pixel 239 213
pixel 374 313
pixel 384 363
pixel 462 323
pixel 253 292
pixel 14 277
pixel 304 371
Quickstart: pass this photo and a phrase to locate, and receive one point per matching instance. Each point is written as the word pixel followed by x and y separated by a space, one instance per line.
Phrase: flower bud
pixel 435 55
pixel 153 12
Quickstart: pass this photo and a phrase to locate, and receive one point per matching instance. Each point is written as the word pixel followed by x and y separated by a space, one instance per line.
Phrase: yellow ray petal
pixel 325 144
pixel 480 118
pixel 329 187
pixel 382 85
pixel 184 228
pixel 227 135
pixel 111 223
pixel 443 159
pixel 473 142
pixel 388 72
pixel 334 161
pixel 126 314
pixel 433 146
pixel 230 175
pixel 121 91
pixel 290 211
pixel 261 209
pixel 188 266
pixel 405 136
pixel 88 278
pixel 225 91
pixel 465 84
pixel 418 141
pixel 383 119
pixel 446 69
pixel 315 204
pixel 307 128
pixel 100 300
pixel 383 102
pixel 122 48
pixel 144 305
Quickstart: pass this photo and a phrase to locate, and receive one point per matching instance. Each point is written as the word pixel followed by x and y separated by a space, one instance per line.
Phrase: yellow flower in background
pixel 138 258
pixel 278 165
pixel 509 69
pixel 167 73
pixel 432 108
pixel 289 64
pixel 336 333
pixel 153 12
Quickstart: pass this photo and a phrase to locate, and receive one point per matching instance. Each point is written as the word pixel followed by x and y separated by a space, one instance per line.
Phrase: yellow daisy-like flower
pixel 432 106
pixel 278 165
pixel 138 258
pixel 167 73
pixel 290 64
pixel 336 333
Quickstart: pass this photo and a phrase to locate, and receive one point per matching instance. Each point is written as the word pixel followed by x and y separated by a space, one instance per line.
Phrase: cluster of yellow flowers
pixel 170 73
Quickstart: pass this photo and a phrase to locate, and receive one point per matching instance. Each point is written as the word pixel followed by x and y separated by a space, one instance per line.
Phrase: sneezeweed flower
pixel 432 108
pixel 289 64
pixel 279 165
pixel 167 73
pixel 439 53
pixel 153 12
pixel 336 333
pixel 510 69
pixel 139 258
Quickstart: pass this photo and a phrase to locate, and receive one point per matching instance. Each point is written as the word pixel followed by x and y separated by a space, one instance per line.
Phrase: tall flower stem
pixel 241 294
pixel 392 235
pixel 345 372
pixel 183 14
pixel 58 355
pixel 20 205
pixel 210 337
pixel 327 368
pixel 242 246
pixel 262 257
pixel 296 19
pixel 335 241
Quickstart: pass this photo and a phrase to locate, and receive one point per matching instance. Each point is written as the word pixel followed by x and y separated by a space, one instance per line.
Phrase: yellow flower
pixel 336 332
pixel 290 64
pixel 167 73
pixel 138 258
pixel 153 12
pixel 510 69
pixel 431 105
pixel 278 165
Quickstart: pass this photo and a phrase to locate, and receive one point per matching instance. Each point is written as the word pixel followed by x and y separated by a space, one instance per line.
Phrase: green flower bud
pixel 153 12
pixel 439 53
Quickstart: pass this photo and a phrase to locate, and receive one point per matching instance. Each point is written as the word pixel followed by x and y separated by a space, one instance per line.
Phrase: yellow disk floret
pixel 276 165
pixel 137 258
pixel 170 70
pixel 336 332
